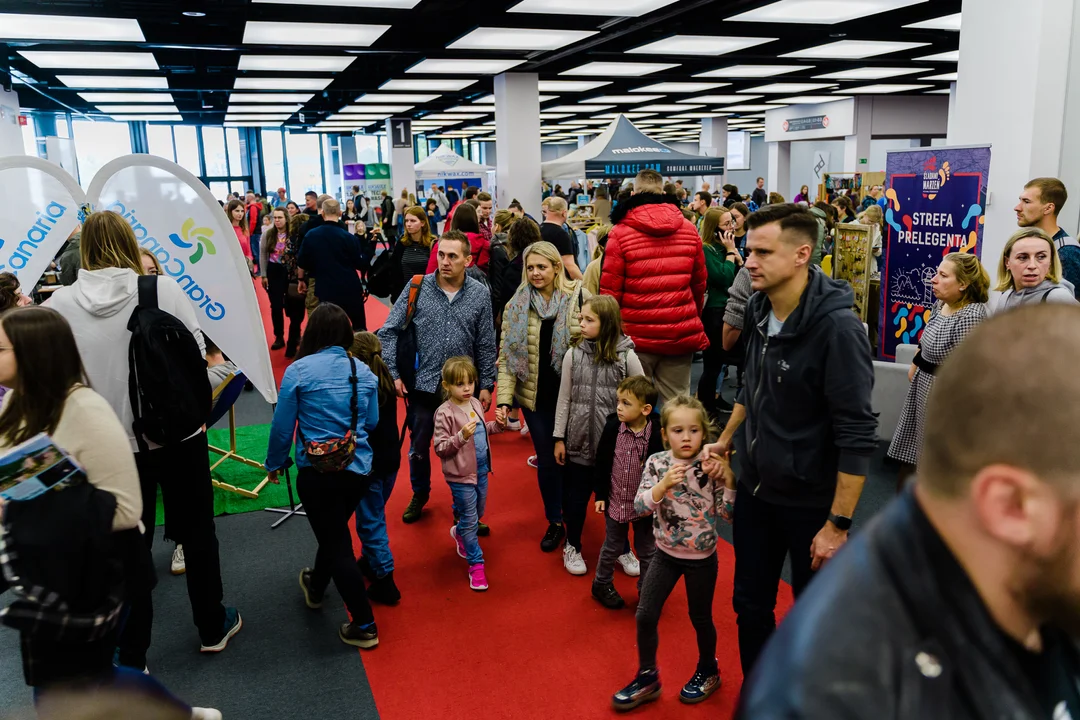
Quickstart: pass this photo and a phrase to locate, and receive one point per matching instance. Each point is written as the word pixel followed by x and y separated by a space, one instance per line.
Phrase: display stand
pixel 293 508
pixel 855 184
pixel 224 398
pixel 852 258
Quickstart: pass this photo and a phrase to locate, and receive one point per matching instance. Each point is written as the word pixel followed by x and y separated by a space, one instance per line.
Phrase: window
pixel 273 157
pixel 331 162
pixel 30 144
pixel 96 143
pixel 420 142
pixel 220 190
pixel 305 170
pixel 232 136
pixel 367 149
pixel 159 140
pixel 214 151
pixel 187 148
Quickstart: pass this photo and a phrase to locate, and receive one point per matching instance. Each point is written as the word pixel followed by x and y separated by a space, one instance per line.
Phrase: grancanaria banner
pixel 935 202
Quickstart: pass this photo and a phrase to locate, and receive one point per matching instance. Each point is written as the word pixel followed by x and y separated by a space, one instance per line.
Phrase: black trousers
pixel 712 359
pixel 764 534
pixel 577 489
pixel 663 574
pixel 330 499
pixel 183 473
pixel 277 278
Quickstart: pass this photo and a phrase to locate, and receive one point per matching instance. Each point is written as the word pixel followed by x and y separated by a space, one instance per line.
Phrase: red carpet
pixel 536 644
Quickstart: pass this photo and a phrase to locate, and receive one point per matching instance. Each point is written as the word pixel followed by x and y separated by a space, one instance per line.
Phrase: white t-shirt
pixel 775 324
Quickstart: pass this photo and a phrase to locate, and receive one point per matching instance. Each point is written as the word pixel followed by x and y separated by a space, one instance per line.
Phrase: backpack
pixel 167 381
pixel 406 343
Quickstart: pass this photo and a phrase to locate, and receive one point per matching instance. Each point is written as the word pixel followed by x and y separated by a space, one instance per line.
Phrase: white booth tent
pixel 621 151
pixel 445 164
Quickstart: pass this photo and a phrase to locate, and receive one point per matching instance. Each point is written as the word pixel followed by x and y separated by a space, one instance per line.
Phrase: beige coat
pixel 510 388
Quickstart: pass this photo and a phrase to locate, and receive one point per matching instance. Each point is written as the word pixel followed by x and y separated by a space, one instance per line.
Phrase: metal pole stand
pixel 293 508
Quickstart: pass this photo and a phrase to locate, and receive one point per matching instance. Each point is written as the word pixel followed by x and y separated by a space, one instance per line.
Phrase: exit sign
pixel 22 120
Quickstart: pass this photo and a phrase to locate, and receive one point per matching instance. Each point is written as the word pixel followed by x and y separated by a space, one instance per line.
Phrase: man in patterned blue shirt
pixel 453 317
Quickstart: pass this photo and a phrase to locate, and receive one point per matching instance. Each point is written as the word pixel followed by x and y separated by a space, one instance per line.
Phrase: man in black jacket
pixel 960 601
pixel 331 255
pixel 806 430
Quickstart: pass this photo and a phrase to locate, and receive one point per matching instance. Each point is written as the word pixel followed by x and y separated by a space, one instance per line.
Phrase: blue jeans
pixel 549 473
pixel 371 524
pixel 421 417
pixel 469 503
pixel 255 242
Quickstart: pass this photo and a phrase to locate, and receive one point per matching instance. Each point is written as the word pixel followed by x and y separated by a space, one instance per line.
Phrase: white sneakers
pixel 205 714
pixel 178 567
pixel 630 564
pixel 572 560
pixel 531 462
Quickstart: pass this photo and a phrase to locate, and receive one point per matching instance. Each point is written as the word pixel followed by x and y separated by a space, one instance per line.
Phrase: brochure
pixel 36 467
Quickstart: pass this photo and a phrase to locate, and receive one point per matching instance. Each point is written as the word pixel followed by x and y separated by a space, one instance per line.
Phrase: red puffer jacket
pixel 654 266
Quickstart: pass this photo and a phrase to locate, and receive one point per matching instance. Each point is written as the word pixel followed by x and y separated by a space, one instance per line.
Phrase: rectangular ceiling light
pixel 396 98
pixel 263 108
pixel 698 45
pixel 943 91
pixel 719 99
pixel 578 108
pixel 620 69
pixel 295 63
pixel 752 71
pixel 951 56
pixel 136 109
pixel 427 85
pixel 471 109
pixel 264 123
pixel 868 73
pixel 91 60
pixel 249 118
pixel 784 88
pixel 807 99
pixel 631 115
pixel 106 82
pixel 555 115
pixel 15 26
pixel 679 87
pixel 945 22
pixel 884 89
pixel 257 32
pixel 365 119
pixel 371 109
pixel 946 77
pixel 605 8
pixel 570 85
pixel 662 121
pixel 699 115
pixel 512 38
pixel 463 66
pixel 455 117
pixel 269 97
pixel 251 83
pixel 490 99
pixel 147 118
pixel 820 12
pixel 853 49
pixel 662 107
pixel 621 99
pixel 377 4
pixel 594 121
pixel 103 97
pixel 751 108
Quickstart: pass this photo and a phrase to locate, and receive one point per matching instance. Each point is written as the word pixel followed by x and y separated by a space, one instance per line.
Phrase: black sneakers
pixel 279 343
pixel 416 506
pixel 608 596
pixel 553 537
pixel 384 591
pixel 365 569
pixel 290 349
pixel 312 599
pixel 353 634
pixel 645 688
pixel 699 687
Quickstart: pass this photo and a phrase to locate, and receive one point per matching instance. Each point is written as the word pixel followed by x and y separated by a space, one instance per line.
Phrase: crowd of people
pixel 500 323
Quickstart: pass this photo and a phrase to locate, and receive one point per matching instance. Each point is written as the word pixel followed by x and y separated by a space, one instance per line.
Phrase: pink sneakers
pixel 458 541
pixel 477 578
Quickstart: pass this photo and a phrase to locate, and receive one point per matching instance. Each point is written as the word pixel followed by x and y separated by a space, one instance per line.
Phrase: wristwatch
pixel 840 521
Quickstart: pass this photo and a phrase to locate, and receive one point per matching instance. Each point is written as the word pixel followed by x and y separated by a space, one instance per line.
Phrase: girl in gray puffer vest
pixel 591 372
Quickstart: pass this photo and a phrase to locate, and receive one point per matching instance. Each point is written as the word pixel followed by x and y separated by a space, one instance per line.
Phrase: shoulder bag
pixel 336 454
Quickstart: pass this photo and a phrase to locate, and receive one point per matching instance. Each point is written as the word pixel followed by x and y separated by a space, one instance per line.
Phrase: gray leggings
pixel 664 573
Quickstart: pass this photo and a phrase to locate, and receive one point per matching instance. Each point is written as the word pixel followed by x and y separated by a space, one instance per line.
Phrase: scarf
pixel 516 321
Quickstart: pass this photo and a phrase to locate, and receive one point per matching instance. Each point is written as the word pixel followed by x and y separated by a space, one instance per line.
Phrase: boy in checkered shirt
pixel 631 435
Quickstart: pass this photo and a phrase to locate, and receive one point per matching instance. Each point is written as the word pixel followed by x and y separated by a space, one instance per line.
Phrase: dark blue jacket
pixel 331 255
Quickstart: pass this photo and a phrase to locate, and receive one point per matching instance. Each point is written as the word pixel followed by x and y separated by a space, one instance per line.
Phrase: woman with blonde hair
pixel 962 288
pixel 98 307
pixel 539 323
pixel 1030 272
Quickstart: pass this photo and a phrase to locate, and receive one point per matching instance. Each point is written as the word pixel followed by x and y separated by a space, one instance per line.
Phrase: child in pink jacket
pixel 461 440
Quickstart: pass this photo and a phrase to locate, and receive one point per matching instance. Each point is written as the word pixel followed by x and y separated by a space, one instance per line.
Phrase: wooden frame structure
pixel 231 453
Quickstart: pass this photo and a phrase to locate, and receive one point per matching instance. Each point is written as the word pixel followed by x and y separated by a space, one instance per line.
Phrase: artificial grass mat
pixel 251 442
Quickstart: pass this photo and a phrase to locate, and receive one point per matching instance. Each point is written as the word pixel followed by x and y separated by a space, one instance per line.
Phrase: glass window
pixel 238 186
pixel 273 160
pixel 384 148
pixel 187 148
pixel 367 149
pixel 214 151
pixel 96 143
pixel 29 140
pixel 332 162
pixel 62 127
pixel 159 140
pixel 420 142
pixel 232 136
pixel 220 190
pixel 305 171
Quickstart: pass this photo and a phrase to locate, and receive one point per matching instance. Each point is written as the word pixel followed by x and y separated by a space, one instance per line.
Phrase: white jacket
pixel 98 307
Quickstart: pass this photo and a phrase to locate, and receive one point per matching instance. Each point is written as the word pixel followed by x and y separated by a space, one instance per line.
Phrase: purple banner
pixel 354 171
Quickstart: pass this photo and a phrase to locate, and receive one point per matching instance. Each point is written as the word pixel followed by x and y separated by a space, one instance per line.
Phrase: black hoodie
pixel 807 397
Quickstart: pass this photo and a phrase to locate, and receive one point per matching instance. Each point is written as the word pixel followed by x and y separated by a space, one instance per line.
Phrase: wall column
pixel 713 143
pixel 517 136
pixel 778 178
pixel 402 165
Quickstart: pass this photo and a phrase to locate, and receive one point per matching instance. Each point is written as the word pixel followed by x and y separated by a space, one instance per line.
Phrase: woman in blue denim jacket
pixel 315 402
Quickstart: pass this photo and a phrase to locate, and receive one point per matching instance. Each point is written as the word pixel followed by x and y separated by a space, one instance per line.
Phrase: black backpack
pixel 167 381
